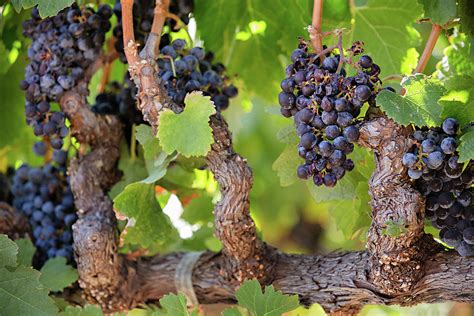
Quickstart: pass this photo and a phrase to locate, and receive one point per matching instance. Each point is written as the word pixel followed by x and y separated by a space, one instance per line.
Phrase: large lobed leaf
pixel 258 303
pixel 418 106
pixel 458 101
pixel 386 28
pixel 439 11
pixel 189 132
pixel 88 310
pixel 156 159
pixel 26 251
pixel 174 305
pixel 8 252
pixel 21 293
pixel 56 274
pixel 466 146
pixel 147 224
pixel 457 59
pixel 46 7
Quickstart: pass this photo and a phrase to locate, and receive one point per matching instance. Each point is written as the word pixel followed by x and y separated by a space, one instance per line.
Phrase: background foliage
pixel 253 39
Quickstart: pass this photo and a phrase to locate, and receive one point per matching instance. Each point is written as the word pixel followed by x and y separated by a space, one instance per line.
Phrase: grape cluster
pixel 44 196
pixel 325 105
pixel 445 183
pixel 62 47
pixel 120 99
pixel 186 70
pixel 143 12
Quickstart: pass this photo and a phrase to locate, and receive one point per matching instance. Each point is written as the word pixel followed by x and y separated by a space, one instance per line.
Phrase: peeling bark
pixel 245 254
pixel 340 282
pixel 396 262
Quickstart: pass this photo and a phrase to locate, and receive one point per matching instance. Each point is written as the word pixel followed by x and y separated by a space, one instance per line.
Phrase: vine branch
pixel 315 31
pixel 430 44
pixel 152 45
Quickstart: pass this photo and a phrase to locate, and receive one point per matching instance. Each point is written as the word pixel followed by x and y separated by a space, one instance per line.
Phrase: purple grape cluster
pixel 120 99
pixel 44 196
pixel 62 47
pixel 325 105
pixel 143 12
pixel 446 184
pixel 185 70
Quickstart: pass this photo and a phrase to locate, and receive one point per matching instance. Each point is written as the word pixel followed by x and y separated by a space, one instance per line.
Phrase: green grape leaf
pixel 466 12
pixel 46 7
pixel 466 146
pixel 88 310
pixel 199 210
pixel 147 224
pixel 420 104
pixel 458 101
pixel 56 274
pixel 156 159
pixel 270 303
pixel 21 293
pixel 189 132
pixel 350 193
pixel 8 252
pixel 251 43
pixel 4 62
pixel 286 165
pixel 457 59
pixel 385 26
pixel 440 11
pixel 133 169
pixel 26 251
pixel 173 305
pixel 345 189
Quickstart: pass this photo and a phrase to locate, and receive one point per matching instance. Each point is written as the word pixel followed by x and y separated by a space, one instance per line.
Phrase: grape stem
pixel 425 56
pixel 128 34
pixel 107 68
pixel 315 31
pixel 430 44
pixel 152 45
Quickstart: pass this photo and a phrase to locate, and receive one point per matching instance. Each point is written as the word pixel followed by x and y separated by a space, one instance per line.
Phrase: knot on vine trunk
pixel 105 277
pixel 396 240
pixel 245 255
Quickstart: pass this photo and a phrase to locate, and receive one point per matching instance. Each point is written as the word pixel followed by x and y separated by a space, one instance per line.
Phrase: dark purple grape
pixel 409 160
pixel 308 141
pixel 303 172
pixel 325 148
pixel 365 61
pixel 351 133
pixel 450 126
pixel 362 93
pixel 329 180
pixel 448 145
pixel 332 131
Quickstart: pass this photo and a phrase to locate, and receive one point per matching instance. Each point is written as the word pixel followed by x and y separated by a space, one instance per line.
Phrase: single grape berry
pixel 450 126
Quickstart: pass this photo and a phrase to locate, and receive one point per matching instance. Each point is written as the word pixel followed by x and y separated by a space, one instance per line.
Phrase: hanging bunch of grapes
pixel 433 165
pixel 325 104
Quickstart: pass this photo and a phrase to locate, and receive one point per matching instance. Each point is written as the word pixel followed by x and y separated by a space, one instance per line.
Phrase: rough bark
pixel 245 254
pixel 396 262
pixel 340 282
pixel 103 273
